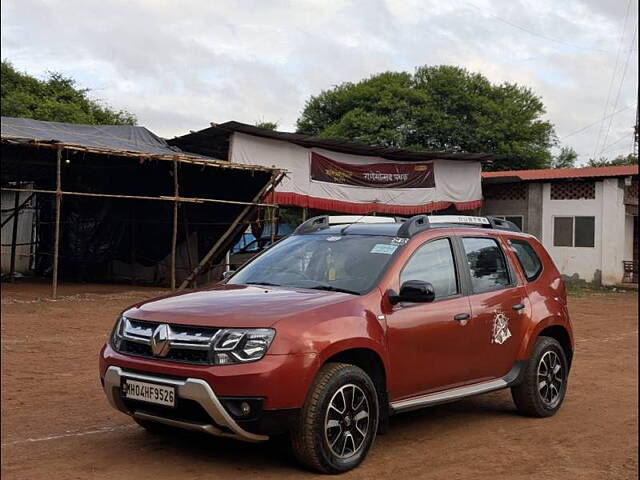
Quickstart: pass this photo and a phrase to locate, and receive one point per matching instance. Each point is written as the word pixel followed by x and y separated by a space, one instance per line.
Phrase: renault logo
pixel 160 340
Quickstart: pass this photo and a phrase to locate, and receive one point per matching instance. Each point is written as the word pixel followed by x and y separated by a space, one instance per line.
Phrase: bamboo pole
pixel 212 251
pixel 174 236
pixel 14 236
pixel 138 197
pixel 193 159
pixel 56 244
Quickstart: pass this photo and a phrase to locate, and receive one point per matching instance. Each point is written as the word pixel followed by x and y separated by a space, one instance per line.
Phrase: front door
pixel 499 308
pixel 427 346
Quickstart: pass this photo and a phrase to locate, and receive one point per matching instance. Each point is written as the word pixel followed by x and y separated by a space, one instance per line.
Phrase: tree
pixel 565 159
pixel 56 98
pixel 629 159
pixel 436 108
pixel 267 125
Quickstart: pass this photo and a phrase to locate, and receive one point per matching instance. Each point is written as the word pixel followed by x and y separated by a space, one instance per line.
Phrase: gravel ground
pixel 56 422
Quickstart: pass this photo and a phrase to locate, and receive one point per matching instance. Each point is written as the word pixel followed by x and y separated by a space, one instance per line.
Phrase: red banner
pixel 373 175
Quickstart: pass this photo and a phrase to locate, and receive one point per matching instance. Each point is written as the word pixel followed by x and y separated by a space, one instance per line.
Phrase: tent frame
pixel 276 177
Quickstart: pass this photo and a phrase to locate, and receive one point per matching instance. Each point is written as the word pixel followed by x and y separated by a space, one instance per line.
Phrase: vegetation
pixel 565 159
pixel 436 108
pixel 267 125
pixel 56 98
pixel 620 160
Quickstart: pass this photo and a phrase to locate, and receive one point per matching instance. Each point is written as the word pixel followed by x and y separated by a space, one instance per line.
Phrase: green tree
pixel 436 108
pixel 629 159
pixel 56 98
pixel 565 159
pixel 267 125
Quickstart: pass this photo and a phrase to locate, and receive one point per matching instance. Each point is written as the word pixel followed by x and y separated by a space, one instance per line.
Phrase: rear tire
pixel 544 383
pixel 338 422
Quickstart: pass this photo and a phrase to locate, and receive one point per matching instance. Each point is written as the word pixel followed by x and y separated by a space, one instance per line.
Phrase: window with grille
pixel 573 190
pixel 574 231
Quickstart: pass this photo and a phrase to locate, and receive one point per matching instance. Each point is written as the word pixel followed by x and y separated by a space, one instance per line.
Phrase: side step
pixel 445 396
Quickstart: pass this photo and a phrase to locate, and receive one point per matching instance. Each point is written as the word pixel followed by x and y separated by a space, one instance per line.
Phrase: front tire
pixel 338 422
pixel 544 384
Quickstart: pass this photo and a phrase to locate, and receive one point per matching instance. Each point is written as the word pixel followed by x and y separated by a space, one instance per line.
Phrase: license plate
pixel 149 392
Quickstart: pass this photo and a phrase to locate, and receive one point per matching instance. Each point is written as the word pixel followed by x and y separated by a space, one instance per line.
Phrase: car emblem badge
pixel 160 340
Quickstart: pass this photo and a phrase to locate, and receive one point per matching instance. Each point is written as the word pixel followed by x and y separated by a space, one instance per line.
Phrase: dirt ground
pixel 56 422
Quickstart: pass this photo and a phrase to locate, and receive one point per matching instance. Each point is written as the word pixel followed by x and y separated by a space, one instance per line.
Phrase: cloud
pixel 181 65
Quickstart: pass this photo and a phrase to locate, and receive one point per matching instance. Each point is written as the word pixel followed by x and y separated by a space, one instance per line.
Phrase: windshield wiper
pixel 268 284
pixel 331 288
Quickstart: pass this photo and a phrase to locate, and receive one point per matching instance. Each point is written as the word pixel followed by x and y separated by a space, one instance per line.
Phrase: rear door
pixel 499 306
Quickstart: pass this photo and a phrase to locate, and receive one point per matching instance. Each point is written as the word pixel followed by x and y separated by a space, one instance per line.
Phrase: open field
pixel 56 422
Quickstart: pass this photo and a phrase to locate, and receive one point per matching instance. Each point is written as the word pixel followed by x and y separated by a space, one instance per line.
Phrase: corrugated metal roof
pixel 201 142
pixel 559 173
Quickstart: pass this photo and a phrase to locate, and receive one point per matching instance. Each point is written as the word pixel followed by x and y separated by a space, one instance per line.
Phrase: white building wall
pixel 603 261
pixel 628 240
pixel 613 232
pixel 571 261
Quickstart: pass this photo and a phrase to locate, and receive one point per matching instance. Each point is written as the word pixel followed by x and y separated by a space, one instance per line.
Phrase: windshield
pixel 349 263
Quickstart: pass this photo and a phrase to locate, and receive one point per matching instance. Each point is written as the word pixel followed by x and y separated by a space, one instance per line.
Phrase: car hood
pixel 233 305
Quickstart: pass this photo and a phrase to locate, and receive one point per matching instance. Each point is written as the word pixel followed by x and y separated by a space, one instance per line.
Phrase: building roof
pixel 120 140
pixel 559 174
pixel 201 142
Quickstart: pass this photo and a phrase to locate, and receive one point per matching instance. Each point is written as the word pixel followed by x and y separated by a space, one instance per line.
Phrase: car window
pixel 486 263
pixel 527 257
pixel 433 262
pixel 348 262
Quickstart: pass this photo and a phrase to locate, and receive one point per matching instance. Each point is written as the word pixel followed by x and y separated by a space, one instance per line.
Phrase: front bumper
pixel 193 389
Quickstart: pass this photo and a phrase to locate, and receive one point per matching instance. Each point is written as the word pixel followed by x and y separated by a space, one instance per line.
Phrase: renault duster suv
pixel 345 322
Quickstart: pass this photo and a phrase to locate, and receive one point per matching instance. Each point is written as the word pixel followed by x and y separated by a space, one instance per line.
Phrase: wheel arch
pixel 371 362
pixel 561 334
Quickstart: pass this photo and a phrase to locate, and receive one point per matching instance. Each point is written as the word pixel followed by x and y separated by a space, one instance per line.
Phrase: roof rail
pixel 419 223
pixel 324 221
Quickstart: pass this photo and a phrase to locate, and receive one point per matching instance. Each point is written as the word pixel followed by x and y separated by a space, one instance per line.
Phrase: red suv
pixel 342 324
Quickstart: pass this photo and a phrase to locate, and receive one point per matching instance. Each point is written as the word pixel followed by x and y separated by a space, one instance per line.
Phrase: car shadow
pixel 276 455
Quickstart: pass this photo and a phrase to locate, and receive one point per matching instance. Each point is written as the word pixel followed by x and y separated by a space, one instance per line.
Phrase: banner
pixel 372 175
pixel 333 181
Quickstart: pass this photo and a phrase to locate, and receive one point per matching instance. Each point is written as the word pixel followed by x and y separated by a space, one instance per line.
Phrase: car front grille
pixel 186 344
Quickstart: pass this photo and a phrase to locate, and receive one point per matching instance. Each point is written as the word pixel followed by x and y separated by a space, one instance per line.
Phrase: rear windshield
pixel 350 263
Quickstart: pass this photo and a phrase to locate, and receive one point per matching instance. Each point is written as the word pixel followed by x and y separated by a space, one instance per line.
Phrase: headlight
pixel 239 345
pixel 116 334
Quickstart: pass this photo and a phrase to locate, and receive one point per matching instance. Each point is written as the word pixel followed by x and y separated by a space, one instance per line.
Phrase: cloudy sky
pixel 179 65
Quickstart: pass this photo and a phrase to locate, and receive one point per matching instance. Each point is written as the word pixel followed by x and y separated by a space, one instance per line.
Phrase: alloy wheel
pixel 347 421
pixel 550 379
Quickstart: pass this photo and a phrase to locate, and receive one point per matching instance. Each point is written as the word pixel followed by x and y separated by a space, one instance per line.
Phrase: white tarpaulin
pixel 334 181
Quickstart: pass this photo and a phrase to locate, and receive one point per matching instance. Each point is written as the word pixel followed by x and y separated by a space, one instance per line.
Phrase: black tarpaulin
pixel 116 138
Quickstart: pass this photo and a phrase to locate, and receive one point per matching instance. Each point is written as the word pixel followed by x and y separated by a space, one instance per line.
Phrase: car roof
pixel 391 229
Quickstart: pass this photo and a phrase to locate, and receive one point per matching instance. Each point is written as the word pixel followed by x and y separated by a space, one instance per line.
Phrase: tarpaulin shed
pixel 132 202
pixel 337 175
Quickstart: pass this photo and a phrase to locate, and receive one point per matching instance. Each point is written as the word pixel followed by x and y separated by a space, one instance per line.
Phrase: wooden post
pixel 212 251
pixel 14 234
pixel 133 246
pixel 174 237
pixel 304 214
pixel 56 240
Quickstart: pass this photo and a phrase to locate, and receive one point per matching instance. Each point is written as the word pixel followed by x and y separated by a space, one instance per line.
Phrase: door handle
pixel 518 306
pixel 461 317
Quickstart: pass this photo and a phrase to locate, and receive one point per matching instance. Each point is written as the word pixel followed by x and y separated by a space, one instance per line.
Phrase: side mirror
pixel 227 274
pixel 415 291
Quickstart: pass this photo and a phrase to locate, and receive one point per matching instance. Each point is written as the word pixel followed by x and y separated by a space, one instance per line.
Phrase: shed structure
pixel 340 176
pixel 105 203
